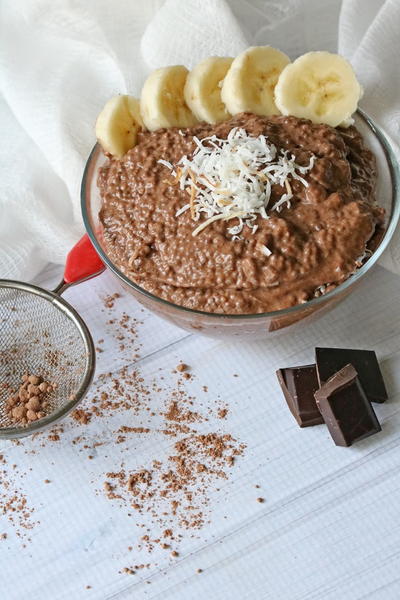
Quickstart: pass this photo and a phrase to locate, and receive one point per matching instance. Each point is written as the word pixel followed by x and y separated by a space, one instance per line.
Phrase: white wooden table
pixel 330 524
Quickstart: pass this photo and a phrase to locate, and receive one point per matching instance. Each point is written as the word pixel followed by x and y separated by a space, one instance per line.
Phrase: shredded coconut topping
pixel 232 179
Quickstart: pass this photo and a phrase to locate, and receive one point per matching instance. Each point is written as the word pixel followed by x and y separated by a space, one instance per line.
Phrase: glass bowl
pixel 261 325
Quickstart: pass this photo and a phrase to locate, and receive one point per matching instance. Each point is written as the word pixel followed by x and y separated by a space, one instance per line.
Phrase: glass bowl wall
pixel 264 324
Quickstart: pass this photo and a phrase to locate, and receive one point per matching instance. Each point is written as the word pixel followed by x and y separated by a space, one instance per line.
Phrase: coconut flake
pixel 320 290
pixel 182 210
pixel 233 178
pixel 166 163
pixel 360 260
pixel 265 250
pixel 206 223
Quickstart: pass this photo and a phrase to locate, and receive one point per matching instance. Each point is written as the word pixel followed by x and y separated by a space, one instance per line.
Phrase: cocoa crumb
pixel 260 499
pixel 126 429
pixel 182 367
pixel 167 533
pixel 176 413
pixel 81 416
pixel 222 412
pixel 109 301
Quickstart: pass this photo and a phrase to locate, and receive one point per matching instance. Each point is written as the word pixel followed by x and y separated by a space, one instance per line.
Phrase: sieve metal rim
pixel 65 409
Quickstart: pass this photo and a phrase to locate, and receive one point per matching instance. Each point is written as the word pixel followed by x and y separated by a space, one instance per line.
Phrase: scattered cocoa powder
pixel 109 301
pixel 176 490
pixel 126 429
pixel 175 413
pixel 13 501
pixel 82 416
pixel 55 433
pixel 173 490
pixel 167 533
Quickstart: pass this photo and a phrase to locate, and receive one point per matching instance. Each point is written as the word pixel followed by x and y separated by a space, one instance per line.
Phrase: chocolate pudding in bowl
pixel 165 219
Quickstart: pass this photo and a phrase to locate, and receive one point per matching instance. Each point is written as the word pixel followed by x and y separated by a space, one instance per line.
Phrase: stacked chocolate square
pixel 337 390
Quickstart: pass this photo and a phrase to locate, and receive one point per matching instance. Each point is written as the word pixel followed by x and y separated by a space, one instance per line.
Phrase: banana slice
pixel 319 86
pixel 203 89
pixel 118 124
pixel 162 102
pixel 249 84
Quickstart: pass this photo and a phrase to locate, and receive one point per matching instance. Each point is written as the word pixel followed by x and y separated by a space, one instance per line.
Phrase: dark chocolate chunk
pixel 298 385
pixel 331 360
pixel 346 409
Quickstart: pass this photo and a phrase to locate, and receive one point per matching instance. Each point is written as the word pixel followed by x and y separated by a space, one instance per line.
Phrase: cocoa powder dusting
pixel 14 507
pixel 168 496
pixel 222 413
pixel 173 491
pixel 109 301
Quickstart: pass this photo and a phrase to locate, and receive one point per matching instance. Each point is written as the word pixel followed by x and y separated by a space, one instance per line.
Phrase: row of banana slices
pixel 318 85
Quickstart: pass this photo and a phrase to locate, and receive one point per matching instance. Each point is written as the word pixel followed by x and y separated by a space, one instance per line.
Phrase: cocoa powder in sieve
pixel 30 402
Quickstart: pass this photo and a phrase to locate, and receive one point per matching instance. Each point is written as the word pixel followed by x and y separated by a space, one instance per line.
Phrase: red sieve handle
pixel 82 262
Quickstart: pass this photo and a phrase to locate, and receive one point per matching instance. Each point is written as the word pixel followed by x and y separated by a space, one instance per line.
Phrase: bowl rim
pixel 348 283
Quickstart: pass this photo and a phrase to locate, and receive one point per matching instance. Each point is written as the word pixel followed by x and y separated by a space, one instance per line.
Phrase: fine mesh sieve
pixel 41 334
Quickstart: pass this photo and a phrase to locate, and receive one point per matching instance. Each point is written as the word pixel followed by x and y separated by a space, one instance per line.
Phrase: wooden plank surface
pixel 330 524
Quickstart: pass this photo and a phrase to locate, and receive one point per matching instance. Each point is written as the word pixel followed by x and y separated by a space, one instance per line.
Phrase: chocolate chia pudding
pixel 295 250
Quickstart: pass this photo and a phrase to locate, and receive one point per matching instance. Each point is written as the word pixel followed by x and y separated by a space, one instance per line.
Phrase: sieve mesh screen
pixel 40 337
